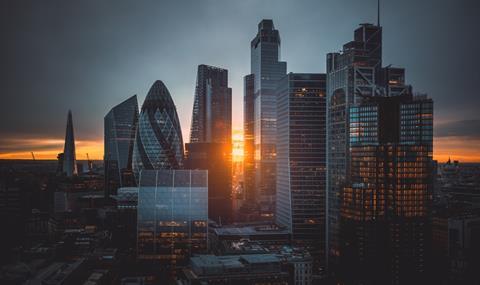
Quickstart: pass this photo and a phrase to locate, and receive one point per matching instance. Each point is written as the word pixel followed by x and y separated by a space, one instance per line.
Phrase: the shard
pixel 158 143
pixel 69 160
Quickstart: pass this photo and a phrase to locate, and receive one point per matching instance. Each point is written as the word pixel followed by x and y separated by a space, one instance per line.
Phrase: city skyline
pixel 456 120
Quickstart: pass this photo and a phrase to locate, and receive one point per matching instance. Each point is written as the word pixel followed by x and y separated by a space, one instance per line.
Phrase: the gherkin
pixel 158 142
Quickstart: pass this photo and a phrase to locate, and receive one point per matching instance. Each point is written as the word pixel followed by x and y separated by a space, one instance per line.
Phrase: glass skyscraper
pixel 351 76
pixel 267 70
pixel 120 125
pixel 385 211
pixel 172 218
pixel 212 107
pixel 210 146
pixel 301 158
pixel 158 142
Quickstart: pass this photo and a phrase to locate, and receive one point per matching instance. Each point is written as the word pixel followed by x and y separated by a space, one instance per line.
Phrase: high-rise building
pixel 120 126
pixel 212 107
pixel 158 143
pixel 69 156
pixel 267 70
pixel 215 158
pixel 351 76
pixel 301 158
pixel 248 136
pixel 172 215
pixel 385 210
pixel 210 146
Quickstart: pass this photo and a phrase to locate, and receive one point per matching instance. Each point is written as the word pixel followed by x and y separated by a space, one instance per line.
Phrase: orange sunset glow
pixel 456 148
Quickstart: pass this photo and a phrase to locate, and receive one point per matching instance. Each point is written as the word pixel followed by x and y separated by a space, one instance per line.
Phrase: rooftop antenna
pixel 378 13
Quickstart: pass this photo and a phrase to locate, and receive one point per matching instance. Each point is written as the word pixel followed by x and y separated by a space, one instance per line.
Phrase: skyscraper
pixel 158 143
pixel 385 211
pixel 120 125
pixel 267 70
pixel 248 136
pixel 212 107
pixel 351 75
pixel 210 146
pixel 69 158
pixel 301 159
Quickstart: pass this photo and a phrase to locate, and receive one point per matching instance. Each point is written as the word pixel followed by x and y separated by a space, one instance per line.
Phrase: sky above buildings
pixel 90 55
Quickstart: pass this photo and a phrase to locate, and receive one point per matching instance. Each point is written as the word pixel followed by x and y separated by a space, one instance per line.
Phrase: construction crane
pixel 33 156
pixel 89 163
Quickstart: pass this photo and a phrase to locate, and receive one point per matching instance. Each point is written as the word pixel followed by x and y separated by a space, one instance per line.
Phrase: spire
pixel 69 160
pixel 378 13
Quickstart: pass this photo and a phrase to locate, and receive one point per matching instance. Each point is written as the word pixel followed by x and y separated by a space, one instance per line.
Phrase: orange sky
pixel 457 148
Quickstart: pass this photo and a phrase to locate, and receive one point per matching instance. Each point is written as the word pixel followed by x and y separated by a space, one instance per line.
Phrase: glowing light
pixel 237 145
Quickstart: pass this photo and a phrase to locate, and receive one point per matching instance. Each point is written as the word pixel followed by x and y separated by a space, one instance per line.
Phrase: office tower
pixel 210 146
pixel 267 71
pixel 214 157
pixel 385 211
pixel 248 135
pixel 120 126
pixel 301 158
pixel 158 143
pixel 212 107
pixel 351 75
pixel 69 160
pixel 172 215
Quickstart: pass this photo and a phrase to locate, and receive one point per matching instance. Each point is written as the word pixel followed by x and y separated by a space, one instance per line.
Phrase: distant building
pixel 301 158
pixel 69 156
pixel 248 135
pixel 386 207
pixel 158 143
pixel 212 107
pixel 267 70
pixel 210 146
pixel 172 215
pixel 120 126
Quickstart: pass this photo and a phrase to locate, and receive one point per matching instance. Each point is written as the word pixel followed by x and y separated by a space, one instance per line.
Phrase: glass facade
pixel 301 157
pixel 172 215
pixel 158 142
pixel 386 206
pixel 267 71
pixel 351 76
pixel 120 125
pixel 212 108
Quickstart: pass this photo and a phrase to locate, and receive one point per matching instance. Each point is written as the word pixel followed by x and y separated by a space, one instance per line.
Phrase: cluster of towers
pixel 342 159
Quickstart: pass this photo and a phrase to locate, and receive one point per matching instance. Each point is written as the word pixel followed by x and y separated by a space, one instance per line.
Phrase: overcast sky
pixel 91 55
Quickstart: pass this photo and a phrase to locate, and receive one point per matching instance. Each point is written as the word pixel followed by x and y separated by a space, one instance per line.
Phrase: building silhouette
pixel 210 146
pixel 301 159
pixel 248 138
pixel 212 107
pixel 120 126
pixel 158 143
pixel 267 70
pixel 69 156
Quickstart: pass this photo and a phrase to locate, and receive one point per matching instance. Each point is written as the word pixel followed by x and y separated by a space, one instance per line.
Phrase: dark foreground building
pixel 301 159
pixel 385 211
pixel 214 157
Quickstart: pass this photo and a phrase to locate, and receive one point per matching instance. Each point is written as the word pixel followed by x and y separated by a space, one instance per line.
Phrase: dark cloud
pixel 465 128
pixel 89 55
